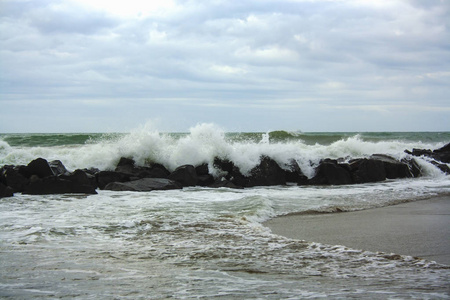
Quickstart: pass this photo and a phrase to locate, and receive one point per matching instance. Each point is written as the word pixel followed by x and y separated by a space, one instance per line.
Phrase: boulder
pixel 205 180
pixel 367 170
pixel 56 185
pixel 443 167
pixel 414 167
pixel 5 191
pixel 330 172
pixel 105 177
pixel 12 177
pixel 267 173
pixel 394 168
pixel 144 185
pixel 155 171
pixel 39 167
pixel 442 154
pixel 223 164
pixel 57 167
pixel 185 175
pixel 202 169
pixel 81 177
pixel 295 174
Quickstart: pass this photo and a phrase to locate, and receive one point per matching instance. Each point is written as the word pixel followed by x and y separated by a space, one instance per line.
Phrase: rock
pixel 105 177
pixel 367 170
pixel 155 171
pixel 267 173
pixel 56 185
pixel 202 169
pixel 394 168
pixel 57 167
pixel 39 167
pixel 14 179
pixel 442 154
pixel 127 166
pixel 144 185
pixel 223 164
pixel 443 167
pixel 205 180
pixel 413 166
pixel 5 191
pixel 81 177
pixel 185 175
pixel 330 172
pixel 295 174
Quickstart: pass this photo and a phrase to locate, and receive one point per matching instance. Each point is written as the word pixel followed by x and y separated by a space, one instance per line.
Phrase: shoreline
pixel 418 228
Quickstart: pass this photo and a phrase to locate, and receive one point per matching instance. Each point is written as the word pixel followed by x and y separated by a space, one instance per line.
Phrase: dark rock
pixel 330 172
pixel 413 166
pixel 443 167
pixel 39 167
pixel 202 169
pixel 13 178
pixel 56 185
pixel 5 191
pixel 268 172
pixel 105 177
pixel 295 174
pixel 442 154
pixel 155 171
pixel 394 168
pixel 367 170
pixel 81 177
pixel 144 185
pixel 223 164
pixel 57 167
pixel 185 175
pixel 205 180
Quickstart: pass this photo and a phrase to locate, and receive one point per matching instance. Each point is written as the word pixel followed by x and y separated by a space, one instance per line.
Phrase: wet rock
pixel 267 173
pixel 57 167
pixel 105 177
pixel 367 170
pixel 202 169
pixel 394 168
pixel 39 167
pixel 5 191
pixel 330 172
pixel 442 154
pixel 144 185
pixel 205 180
pixel 81 177
pixel 56 185
pixel 12 177
pixel 295 174
pixel 185 175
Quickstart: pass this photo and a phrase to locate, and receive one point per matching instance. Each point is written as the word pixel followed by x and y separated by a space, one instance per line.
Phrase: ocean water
pixel 204 243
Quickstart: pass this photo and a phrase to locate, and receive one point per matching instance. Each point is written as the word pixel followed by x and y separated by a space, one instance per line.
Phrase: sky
pixel 250 65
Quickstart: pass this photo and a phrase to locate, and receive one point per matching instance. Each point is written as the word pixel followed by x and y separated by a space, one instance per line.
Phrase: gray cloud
pixel 284 64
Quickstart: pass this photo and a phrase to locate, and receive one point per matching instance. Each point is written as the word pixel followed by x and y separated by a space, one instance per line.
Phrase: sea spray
pixel 206 141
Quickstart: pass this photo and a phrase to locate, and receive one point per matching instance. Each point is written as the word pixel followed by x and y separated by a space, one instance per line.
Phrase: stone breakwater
pixel 41 177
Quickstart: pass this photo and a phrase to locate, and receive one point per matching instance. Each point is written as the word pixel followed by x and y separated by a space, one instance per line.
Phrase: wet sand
pixel 420 229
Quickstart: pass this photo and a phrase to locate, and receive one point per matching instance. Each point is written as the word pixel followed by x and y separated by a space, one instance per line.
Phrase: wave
pixel 204 142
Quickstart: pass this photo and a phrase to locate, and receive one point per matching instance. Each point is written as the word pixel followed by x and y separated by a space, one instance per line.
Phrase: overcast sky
pixel 248 65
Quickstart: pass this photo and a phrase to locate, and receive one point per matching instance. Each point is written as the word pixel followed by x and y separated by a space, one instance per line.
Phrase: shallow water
pixel 203 242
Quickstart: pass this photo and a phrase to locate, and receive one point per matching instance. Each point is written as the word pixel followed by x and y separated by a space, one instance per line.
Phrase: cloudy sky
pixel 250 65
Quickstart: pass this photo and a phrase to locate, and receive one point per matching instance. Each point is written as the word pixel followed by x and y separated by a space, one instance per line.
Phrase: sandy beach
pixel 420 229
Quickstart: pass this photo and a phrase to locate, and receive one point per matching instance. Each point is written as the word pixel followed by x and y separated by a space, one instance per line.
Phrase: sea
pixel 207 243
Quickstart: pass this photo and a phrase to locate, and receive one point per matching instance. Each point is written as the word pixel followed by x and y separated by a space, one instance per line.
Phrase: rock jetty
pixel 41 177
